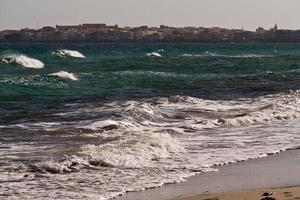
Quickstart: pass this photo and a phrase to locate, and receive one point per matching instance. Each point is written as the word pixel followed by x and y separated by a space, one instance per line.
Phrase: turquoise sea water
pixel 125 70
pixel 155 113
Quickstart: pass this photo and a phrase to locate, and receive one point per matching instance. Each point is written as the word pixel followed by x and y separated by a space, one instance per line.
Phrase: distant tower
pixel 275 28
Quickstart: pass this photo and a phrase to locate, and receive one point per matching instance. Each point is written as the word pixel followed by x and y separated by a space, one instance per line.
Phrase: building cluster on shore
pixel 105 33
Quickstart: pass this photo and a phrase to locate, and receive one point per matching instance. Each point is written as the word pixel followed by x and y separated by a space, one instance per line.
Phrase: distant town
pixel 107 33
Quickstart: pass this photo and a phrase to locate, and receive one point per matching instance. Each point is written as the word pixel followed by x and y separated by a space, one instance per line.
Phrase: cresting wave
pixel 22 60
pixel 189 114
pixel 70 53
pixel 129 154
pixel 184 114
pixel 65 75
pixel 154 54
pixel 144 150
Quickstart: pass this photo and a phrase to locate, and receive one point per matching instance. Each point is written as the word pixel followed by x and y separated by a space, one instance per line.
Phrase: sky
pixel 16 14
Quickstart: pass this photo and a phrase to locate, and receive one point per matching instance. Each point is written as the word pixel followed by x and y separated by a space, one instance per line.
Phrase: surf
pixel 65 75
pixel 68 53
pixel 154 54
pixel 23 61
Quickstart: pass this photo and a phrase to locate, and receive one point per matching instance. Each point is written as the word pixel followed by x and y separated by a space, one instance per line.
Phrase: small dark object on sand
pixel 213 198
pixel 268 198
pixel 266 194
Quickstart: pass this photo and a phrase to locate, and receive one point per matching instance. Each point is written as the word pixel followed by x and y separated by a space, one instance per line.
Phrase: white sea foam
pixel 183 113
pixel 22 60
pixel 188 114
pixel 132 150
pixel 150 142
pixel 71 53
pixel 68 164
pixel 154 54
pixel 106 124
pixel 64 74
pixel 135 150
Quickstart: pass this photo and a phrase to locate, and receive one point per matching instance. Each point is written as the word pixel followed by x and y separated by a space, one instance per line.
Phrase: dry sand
pixel 262 194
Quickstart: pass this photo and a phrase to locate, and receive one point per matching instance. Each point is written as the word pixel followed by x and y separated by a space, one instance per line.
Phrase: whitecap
pixel 70 53
pixel 64 74
pixel 154 54
pixel 22 60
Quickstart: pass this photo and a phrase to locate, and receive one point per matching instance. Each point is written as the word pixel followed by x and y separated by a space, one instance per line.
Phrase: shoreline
pixel 274 171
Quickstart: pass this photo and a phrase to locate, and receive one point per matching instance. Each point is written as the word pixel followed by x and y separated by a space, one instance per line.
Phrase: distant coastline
pixel 102 33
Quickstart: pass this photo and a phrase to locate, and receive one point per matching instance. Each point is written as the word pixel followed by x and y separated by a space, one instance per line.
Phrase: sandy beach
pixel 292 193
pixel 243 180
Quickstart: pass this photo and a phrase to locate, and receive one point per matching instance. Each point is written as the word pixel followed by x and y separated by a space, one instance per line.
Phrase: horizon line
pixel 145 25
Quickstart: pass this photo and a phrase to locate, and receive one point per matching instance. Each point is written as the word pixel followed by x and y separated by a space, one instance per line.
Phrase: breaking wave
pixel 186 114
pixel 144 150
pixel 65 75
pixel 163 139
pixel 22 60
pixel 154 54
pixel 132 151
pixel 70 53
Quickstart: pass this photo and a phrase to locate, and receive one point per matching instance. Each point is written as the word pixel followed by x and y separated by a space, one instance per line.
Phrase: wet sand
pixel 275 171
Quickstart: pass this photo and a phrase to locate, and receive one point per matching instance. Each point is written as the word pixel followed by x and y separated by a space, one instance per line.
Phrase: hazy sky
pixel 225 13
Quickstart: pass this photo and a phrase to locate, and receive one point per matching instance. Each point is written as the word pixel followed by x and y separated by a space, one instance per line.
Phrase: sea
pixel 94 121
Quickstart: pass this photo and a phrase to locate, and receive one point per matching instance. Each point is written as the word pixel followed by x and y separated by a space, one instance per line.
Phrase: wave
pixel 154 54
pixel 187 114
pixel 22 60
pixel 136 150
pixel 131 151
pixel 164 140
pixel 183 114
pixel 210 54
pixel 64 74
pixel 70 53
pixel 210 114
pixel 116 165
pixel 150 73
